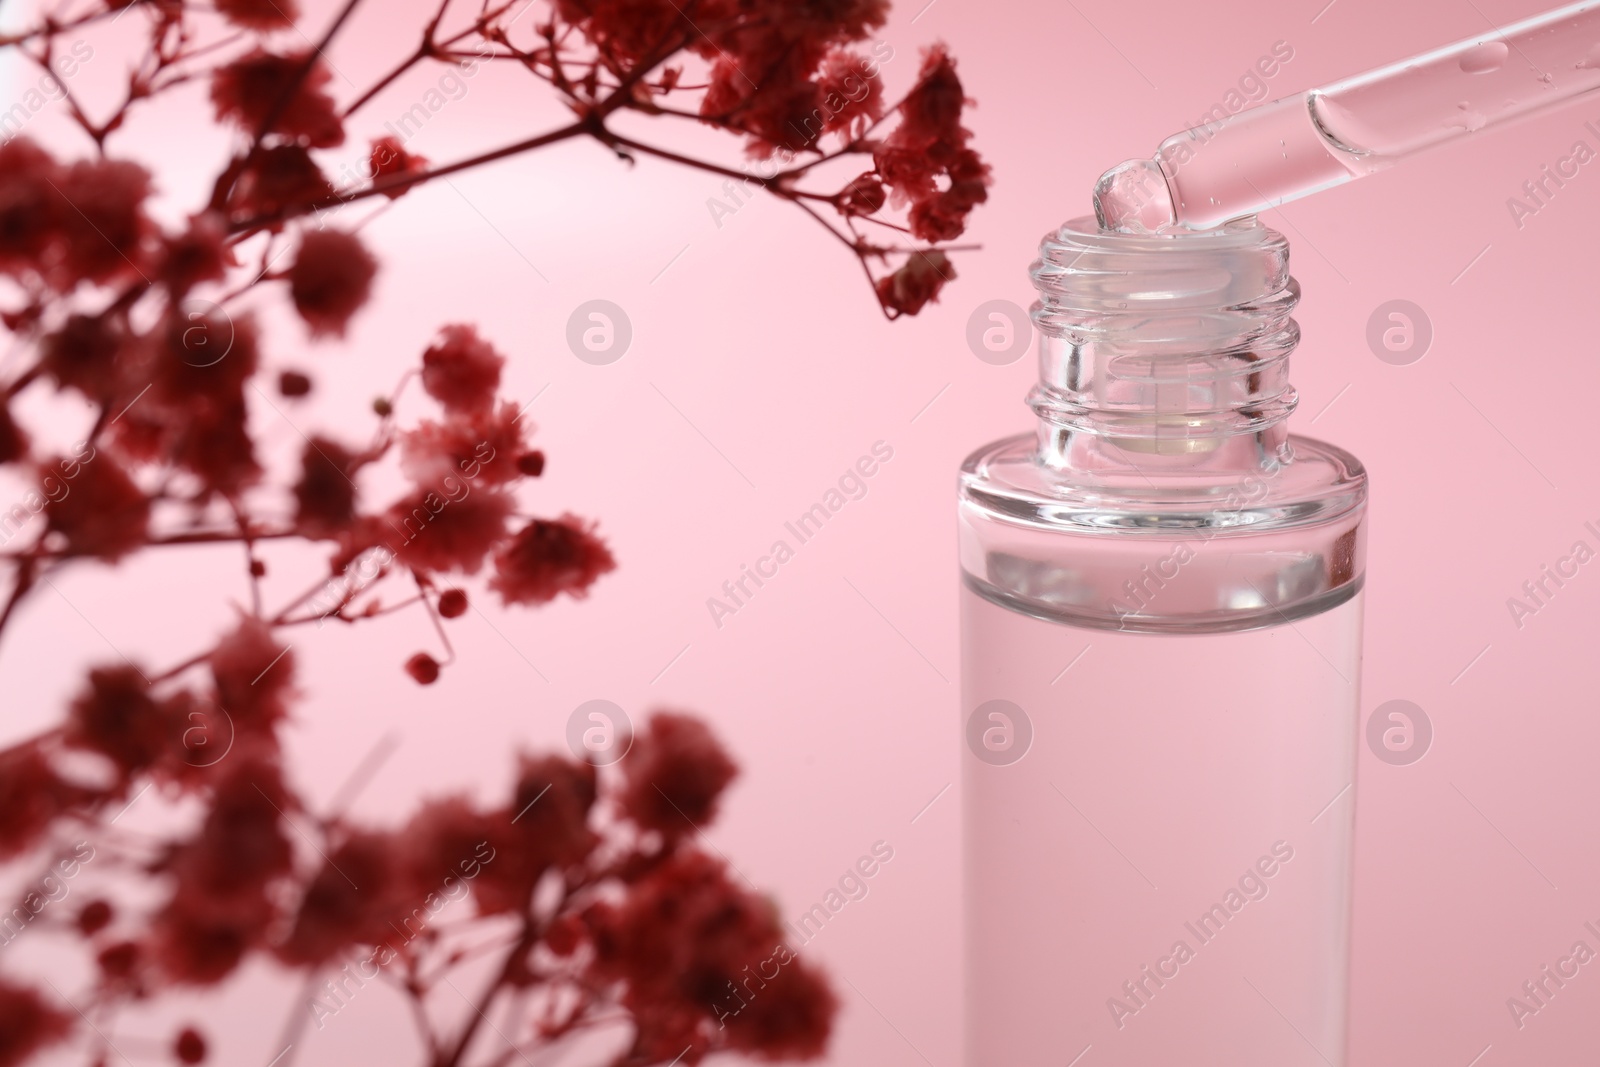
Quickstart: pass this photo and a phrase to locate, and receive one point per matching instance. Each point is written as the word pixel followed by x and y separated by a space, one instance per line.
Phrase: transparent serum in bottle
pixel 1161 622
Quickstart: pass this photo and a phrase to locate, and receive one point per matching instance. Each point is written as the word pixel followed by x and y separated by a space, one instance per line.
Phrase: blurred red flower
pixel 549 557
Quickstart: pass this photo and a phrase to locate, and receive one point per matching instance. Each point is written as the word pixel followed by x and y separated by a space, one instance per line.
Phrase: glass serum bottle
pixel 1161 623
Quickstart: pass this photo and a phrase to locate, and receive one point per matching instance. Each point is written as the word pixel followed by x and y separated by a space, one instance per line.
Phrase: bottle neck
pixel 1164 353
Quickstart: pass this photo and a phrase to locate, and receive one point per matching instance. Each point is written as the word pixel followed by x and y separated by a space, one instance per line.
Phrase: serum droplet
pixel 1486 57
pixel 1592 60
pixel 1133 197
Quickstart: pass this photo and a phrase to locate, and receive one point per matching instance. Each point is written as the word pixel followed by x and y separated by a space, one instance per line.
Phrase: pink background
pixel 760 369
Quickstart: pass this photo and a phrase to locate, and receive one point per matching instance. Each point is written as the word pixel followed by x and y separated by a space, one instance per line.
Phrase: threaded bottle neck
pixel 1164 349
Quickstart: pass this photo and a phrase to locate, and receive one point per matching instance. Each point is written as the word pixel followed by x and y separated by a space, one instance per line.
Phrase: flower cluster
pixel 137 312
pixel 799 86
pixel 611 902
pixel 67 224
pixel 464 467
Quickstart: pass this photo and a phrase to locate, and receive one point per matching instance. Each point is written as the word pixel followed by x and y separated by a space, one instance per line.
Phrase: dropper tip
pixel 1133 197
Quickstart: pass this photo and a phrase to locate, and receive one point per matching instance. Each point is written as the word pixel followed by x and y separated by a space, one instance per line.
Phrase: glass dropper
pixel 1289 148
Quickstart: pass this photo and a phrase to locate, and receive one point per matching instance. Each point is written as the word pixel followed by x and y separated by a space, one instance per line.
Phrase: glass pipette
pixel 1280 151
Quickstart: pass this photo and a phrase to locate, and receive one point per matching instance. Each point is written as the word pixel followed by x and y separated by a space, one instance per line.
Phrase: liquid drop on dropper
pixel 1133 197
pixel 1486 57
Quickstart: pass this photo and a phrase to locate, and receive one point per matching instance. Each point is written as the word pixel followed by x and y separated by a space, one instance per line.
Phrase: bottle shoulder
pixel 1310 482
pixel 1174 543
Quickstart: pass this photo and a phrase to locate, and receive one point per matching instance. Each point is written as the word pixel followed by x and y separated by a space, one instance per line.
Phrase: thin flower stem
pixel 304 620
pixel 406 181
pixel 253 564
pixel 173 672
pixel 524 943
pixel 50 28
pixel 424 51
pixel 294 1026
pixel 433 614
pixel 22 584
pixel 74 107
pixel 387 80
pixel 689 161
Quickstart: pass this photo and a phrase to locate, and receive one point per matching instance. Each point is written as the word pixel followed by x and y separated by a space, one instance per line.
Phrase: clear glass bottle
pixel 1161 621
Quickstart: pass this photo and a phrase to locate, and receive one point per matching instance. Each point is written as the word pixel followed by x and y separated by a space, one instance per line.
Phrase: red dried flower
pixel 331 279
pixel 29 205
pixel 545 825
pixel 249 90
pixel 863 196
pixel 682 939
pixel 550 808
pixel 461 370
pixel 565 934
pixel 259 15
pixel 919 280
pixel 13 441
pixel 366 533
pixel 389 159
pixel 624 30
pixel 119 961
pixel 782 110
pixel 293 384
pixel 438 533
pixel 241 846
pixel 911 174
pixel 480 449
pixel 118 718
pixel 350 901
pixel 284 179
pixel 765 58
pixel 942 216
pixel 198 254
pixel 216 447
pixel 189 1046
pixel 94 917
pixel 254 676
pixel 931 113
pixel 448 841
pixel 222 904
pixel 850 91
pixel 197 951
pixel 549 557
pixel 930 145
pixel 198 362
pixel 674 774
pixel 100 512
pixel 195 416
pixel 531 463
pixel 453 603
pixel 103 226
pixel 27 1024
pixel 31 796
pixel 83 353
pixel 325 495
pixel 423 668
pixel 790 1016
